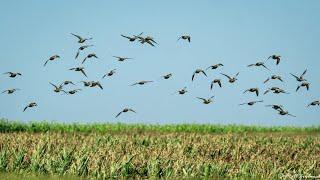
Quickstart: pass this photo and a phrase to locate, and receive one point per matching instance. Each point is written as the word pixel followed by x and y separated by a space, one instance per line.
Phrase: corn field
pixel 145 154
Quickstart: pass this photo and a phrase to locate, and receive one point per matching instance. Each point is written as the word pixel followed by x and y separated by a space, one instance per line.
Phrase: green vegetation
pixel 15 126
pixel 151 151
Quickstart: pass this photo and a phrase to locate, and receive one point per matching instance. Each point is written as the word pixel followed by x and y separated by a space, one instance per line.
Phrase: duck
pixel 181 91
pixel 141 83
pixel 275 90
pixel 275 106
pixel 125 110
pixel 30 105
pixel 13 74
pixel 197 71
pixel 251 103
pixel 258 64
pixel 150 40
pixel 167 76
pixel 185 37
pixel 57 89
pixel 87 83
pixel 81 39
pixel 52 58
pixel 65 83
pixel 301 77
pixel 206 101
pixel 110 73
pixel 71 92
pixel 132 39
pixel 121 59
pixel 11 91
pixel 303 84
pixel 91 55
pixel 81 48
pixel 216 81
pixel 273 77
pixel 231 79
pixel 96 83
pixel 314 103
pixel 79 69
pixel 275 57
pixel 214 66
pixel 283 113
pixel 256 90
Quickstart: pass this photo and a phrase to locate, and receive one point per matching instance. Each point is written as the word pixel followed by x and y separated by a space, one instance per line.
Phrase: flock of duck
pixel 59 88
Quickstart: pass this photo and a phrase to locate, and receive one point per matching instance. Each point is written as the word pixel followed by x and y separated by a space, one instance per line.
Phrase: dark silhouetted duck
pixel 125 110
pixel 185 37
pixel 132 39
pixel 275 106
pixel 303 84
pixel 121 59
pixel 71 92
pixel 30 105
pixel 258 64
pixel 52 58
pixel 197 71
pixel 81 48
pixel 10 91
pixel 275 57
pixel 255 90
pixel 79 69
pixel 110 73
pixel 141 83
pixel 13 74
pixel 273 77
pixel 215 81
pixel 231 79
pixel 57 89
pixel 89 56
pixel 81 39
pixel 314 103
pixel 215 66
pixel 206 101
pixel 96 83
pixel 251 103
pixel 300 78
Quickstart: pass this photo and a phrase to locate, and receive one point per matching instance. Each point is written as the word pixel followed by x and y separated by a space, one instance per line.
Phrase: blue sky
pixel 235 33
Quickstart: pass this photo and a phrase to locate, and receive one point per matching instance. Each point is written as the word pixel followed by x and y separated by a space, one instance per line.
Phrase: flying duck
pixel 13 74
pixel 52 58
pixel 81 39
pixel 259 64
pixel 81 48
pixel 121 59
pixel 300 78
pixel 231 79
pixel 182 91
pixel 185 37
pixel 64 83
pixel 215 81
pixel 251 103
pixel 275 57
pixel 10 91
pixel 72 91
pixel 110 73
pixel 167 76
pixel 303 84
pixel 79 69
pixel 206 101
pixel 125 110
pixel 197 71
pixel 141 83
pixel 215 66
pixel 30 105
pixel 283 113
pixel 274 77
pixel 256 90
pixel 91 55
pixel 276 90
pixel 314 103
pixel 96 83
pixel 131 39
pixel 275 106
pixel 57 89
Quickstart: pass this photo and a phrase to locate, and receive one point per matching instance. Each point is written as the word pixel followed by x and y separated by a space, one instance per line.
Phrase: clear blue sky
pixel 235 33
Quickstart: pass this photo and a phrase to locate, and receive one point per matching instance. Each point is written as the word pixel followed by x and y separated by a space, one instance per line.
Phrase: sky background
pixel 235 33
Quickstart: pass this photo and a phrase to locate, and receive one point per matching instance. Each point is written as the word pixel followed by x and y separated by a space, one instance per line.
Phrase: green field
pixel 162 151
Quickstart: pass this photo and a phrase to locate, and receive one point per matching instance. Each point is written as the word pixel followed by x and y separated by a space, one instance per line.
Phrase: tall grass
pixel 15 126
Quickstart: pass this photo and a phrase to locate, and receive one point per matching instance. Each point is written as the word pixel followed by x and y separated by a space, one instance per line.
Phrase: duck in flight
pixel 110 73
pixel 91 55
pixel 87 83
pixel 275 106
pixel 275 57
pixel 256 90
pixel 132 39
pixel 214 66
pixel 96 83
pixel 166 76
pixel 81 48
pixel 30 105
pixel 141 83
pixel 79 69
pixel 258 64
pixel 303 84
pixel 121 59
pixel 57 89
pixel 275 90
pixel 65 83
pixel 81 39
pixel 301 77
pixel 251 103
pixel 185 37
pixel 231 79
pixel 181 91
pixel 197 71
pixel 283 113
pixel 13 74
pixel 125 110
pixel 274 77
pixel 52 58
pixel 150 40
pixel 218 81
pixel 206 101
pixel 314 103
pixel 71 92
pixel 10 91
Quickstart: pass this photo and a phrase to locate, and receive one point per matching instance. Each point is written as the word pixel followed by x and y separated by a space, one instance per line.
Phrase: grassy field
pixel 171 151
